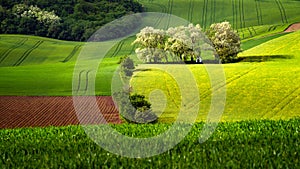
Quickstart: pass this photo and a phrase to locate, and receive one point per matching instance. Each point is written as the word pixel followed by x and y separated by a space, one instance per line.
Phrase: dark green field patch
pixel 249 144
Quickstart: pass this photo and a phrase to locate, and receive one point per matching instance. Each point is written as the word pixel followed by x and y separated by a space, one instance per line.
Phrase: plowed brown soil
pixel 27 111
pixel 293 27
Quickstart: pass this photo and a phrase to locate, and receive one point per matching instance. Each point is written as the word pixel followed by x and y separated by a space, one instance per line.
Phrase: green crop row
pixel 248 144
pixel 241 13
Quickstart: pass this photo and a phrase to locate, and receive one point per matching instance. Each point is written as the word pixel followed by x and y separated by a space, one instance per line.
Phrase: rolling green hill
pixel 40 66
pixel 240 13
pixel 263 87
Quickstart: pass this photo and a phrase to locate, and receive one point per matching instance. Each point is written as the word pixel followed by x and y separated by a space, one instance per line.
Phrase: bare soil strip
pixel 33 111
pixel 294 27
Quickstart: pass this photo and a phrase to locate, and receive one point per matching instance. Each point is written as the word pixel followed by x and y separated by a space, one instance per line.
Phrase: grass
pixel 24 60
pixel 263 88
pixel 251 144
pixel 240 13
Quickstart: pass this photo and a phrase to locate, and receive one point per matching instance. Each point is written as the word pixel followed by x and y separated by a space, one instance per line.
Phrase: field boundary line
pixel 73 52
pixel 8 51
pixel 27 53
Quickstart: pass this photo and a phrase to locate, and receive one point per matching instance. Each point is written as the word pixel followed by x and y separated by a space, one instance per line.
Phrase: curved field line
pixel 27 53
pixel 171 3
pixel 133 48
pixel 87 80
pixel 163 10
pixel 271 28
pixel 189 11
pixel 283 11
pixel 233 14
pixel 254 30
pixel 169 93
pixel 192 11
pixel 287 99
pixel 8 51
pixel 241 17
pixel 260 11
pixel 243 14
pixel 251 35
pixel 230 80
pixel 257 12
pixel 204 13
pixel 79 81
pixel 279 7
pixel 82 73
pixel 215 6
pixel 119 47
pixel 75 49
pixel 213 11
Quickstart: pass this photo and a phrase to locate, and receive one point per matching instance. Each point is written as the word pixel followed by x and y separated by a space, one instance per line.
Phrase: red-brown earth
pixel 34 111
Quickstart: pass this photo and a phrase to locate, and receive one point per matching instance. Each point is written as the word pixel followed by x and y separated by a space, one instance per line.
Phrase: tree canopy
pixel 225 40
pixel 176 44
pixel 73 20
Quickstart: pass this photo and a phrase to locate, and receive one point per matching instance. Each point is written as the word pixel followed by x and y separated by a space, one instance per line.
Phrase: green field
pixel 260 124
pixel 255 144
pixel 240 13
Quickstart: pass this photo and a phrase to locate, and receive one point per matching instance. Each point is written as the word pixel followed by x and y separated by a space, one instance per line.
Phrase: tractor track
pixel 234 23
pixel 241 16
pixel 74 51
pixel 163 10
pixel 282 14
pixel 258 13
pixel 8 51
pixel 27 53
pixel 80 79
pixel 118 48
pixel 229 81
pixel 170 11
pixel 191 11
pixel 283 11
pixel 279 106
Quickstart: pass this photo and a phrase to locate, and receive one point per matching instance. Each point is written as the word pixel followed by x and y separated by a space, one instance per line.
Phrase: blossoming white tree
pixel 179 43
pixel 225 40
pixel 34 12
pixel 151 43
pixel 185 41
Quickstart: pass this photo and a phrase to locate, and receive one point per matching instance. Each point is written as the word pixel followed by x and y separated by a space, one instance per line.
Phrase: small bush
pixel 134 108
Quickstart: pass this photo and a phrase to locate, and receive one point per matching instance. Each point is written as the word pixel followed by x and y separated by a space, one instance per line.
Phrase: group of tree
pixel 185 43
pixel 63 19
pixel 133 107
